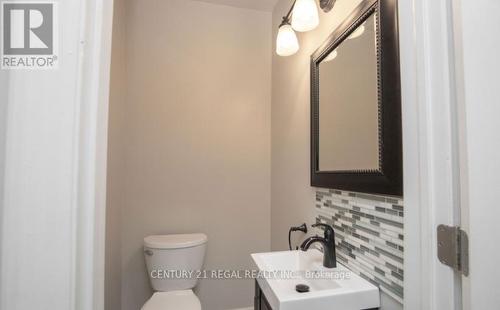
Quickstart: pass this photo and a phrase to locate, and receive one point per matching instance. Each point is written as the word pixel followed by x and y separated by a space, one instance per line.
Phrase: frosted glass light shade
pixel 305 15
pixel 287 43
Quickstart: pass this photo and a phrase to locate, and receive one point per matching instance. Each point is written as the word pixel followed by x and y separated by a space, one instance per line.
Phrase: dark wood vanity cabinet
pixel 260 301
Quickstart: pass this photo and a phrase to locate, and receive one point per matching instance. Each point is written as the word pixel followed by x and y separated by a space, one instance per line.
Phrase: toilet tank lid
pixel 174 241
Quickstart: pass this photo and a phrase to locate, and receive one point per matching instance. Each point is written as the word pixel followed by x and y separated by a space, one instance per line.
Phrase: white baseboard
pixel 248 308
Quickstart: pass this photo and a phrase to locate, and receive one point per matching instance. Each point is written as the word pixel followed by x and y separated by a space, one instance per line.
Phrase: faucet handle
pixel 329 232
pixel 302 228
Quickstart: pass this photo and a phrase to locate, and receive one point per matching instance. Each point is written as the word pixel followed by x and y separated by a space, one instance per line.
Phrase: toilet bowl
pixel 173 262
pixel 185 300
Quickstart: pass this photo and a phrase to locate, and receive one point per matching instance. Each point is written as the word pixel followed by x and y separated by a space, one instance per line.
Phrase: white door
pixel 477 41
pixel 450 53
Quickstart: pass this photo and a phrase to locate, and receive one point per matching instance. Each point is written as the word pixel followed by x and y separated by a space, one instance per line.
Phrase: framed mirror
pixel 356 135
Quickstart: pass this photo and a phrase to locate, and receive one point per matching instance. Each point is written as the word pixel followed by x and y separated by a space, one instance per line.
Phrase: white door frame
pixel 96 28
pixel 431 148
pixel 53 174
pixel 430 151
pixel 477 44
pixel 431 166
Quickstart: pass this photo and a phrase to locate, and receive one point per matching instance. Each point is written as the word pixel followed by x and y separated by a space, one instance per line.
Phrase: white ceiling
pixel 261 5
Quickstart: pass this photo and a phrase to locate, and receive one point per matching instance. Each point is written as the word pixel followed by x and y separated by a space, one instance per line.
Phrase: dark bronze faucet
pixel 328 242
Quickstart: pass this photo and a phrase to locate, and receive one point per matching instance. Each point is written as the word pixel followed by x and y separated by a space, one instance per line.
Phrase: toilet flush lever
pixel 148 252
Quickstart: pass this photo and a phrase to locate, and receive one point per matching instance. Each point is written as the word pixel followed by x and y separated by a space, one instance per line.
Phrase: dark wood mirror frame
pixel 388 179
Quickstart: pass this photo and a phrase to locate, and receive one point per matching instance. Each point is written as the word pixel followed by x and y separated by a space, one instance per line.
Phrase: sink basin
pixel 329 288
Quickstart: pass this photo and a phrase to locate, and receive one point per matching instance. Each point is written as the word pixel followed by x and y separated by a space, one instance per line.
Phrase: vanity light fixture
pixel 287 43
pixel 305 15
pixel 302 16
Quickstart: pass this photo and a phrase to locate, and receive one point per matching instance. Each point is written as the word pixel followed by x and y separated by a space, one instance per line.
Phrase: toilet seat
pixel 173 300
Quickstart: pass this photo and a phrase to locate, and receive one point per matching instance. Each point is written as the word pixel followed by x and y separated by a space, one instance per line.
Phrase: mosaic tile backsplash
pixel 369 235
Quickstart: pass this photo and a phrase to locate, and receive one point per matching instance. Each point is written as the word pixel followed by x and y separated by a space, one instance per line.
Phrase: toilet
pixel 173 262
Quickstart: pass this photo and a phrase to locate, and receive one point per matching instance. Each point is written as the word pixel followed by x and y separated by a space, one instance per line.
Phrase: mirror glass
pixel 348 103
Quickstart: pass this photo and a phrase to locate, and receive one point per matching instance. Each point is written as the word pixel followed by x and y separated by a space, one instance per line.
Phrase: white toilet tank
pixel 174 261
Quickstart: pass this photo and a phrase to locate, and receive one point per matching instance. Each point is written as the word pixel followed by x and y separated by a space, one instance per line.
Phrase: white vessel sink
pixel 329 288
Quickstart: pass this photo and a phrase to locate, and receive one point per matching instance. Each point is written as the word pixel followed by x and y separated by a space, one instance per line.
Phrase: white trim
pixel 477 80
pixel 91 158
pixel 430 152
pixel 53 187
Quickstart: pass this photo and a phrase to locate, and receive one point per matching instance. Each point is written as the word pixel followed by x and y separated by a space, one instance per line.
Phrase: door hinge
pixel 453 248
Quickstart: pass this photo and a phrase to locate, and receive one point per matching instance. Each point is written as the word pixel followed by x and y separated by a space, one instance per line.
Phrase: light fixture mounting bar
pixel 286 18
pixel 326 5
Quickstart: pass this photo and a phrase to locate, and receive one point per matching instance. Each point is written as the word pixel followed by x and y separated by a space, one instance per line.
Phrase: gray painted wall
pixel 116 156
pixel 190 142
